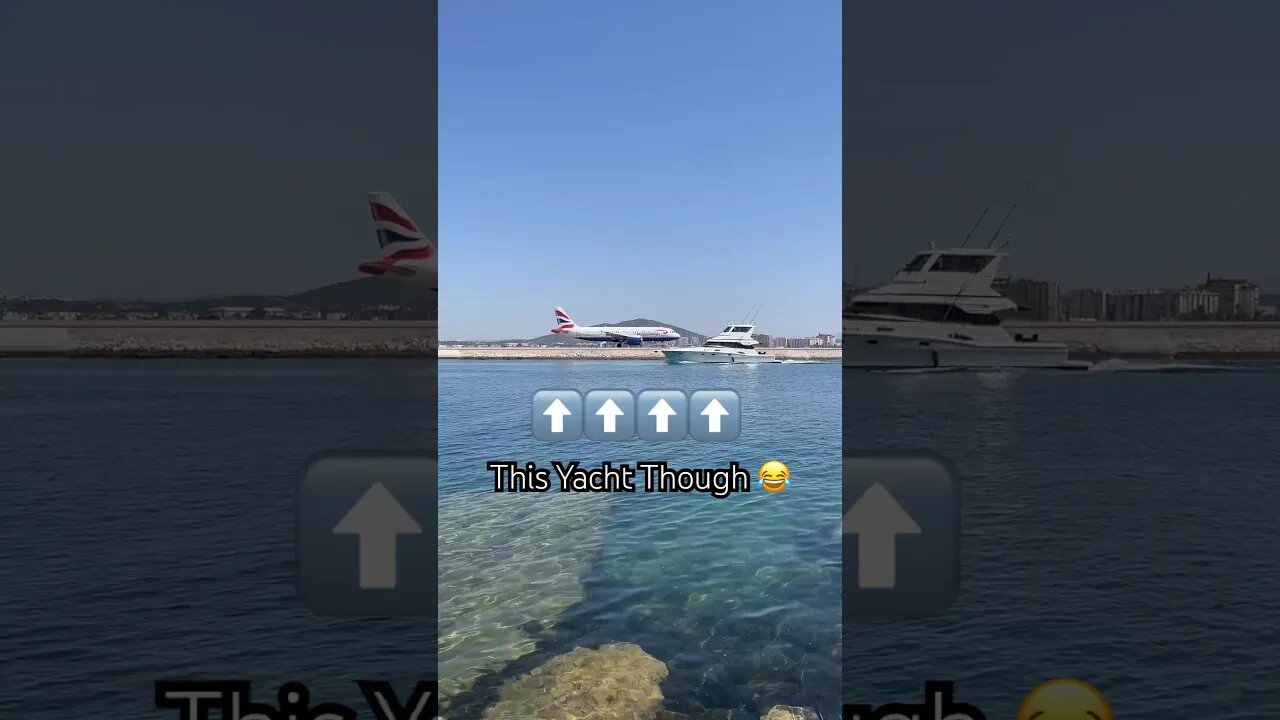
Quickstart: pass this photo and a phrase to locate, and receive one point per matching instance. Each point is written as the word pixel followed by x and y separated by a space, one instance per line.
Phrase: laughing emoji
pixel 774 476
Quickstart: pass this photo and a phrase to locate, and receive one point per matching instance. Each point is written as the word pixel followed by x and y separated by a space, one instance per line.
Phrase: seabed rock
pixel 619 681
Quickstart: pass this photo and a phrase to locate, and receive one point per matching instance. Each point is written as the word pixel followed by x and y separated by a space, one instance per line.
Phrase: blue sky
pixel 672 160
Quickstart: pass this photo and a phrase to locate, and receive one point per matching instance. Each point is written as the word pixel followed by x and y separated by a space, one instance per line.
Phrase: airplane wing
pixel 621 336
pixel 385 267
pixel 408 273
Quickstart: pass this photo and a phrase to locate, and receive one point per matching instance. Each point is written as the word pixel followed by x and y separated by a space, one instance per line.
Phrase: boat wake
pixel 1156 367
pixel 1104 366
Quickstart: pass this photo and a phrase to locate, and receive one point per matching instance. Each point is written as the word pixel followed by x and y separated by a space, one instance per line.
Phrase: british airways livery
pixel 408 254
pixel 620 335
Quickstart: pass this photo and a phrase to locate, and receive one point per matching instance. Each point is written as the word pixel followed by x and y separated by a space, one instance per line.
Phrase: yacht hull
pixel 878 352
pixel 717 357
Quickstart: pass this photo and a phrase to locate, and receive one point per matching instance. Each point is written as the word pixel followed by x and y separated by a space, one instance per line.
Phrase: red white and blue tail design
pixel 563 321
pixel 407 250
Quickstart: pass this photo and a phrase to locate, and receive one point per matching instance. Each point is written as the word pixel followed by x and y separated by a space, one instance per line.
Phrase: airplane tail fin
pixel 392 223
pixel 563 321
pixel 406 249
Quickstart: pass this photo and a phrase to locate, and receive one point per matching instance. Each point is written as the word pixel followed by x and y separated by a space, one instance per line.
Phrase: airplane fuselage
pixel 602 334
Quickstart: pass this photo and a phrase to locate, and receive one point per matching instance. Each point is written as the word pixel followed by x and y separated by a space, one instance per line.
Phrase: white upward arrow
pixel 877 519
pixel 377 518
pixel 714 411
pixel 662 413
pixel 557 412
pixel 610 412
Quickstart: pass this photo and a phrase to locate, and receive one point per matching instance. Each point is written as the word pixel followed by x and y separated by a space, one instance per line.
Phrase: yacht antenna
pixel 980 217
pixel 1002 222
pixel 1006 219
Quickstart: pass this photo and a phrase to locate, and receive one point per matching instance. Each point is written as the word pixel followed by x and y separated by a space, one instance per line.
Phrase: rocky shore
pixel 569 352
pixel 279 339
pixel 1234 342
pixel 217 339
pixel 1218 342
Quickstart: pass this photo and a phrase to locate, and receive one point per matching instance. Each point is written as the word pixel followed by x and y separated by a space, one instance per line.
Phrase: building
pixel 1086 304
pixel 1141 305
pixel 231 313
pixel 1238 299
pixel 1197 304
pixel 1036 299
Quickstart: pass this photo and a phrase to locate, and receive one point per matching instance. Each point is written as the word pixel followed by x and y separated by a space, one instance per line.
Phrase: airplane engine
pixel 634 341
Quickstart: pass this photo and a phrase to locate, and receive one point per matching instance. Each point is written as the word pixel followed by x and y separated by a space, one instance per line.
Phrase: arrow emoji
pixel 662 413
pixel 377 518
pixel 610 412
pixel 714 411
pixel 877 519
pixel 557 412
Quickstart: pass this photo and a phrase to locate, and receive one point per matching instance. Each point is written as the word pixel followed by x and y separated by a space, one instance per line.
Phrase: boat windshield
pixel 731 344
pixel 961 263
pixel 917 263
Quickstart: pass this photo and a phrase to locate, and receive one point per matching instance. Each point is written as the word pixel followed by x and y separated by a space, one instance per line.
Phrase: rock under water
pixel 619 681
pixel 790 712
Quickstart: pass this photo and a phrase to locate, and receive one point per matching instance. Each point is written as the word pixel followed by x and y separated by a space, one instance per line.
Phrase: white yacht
pixel 941 311
pixel 735 344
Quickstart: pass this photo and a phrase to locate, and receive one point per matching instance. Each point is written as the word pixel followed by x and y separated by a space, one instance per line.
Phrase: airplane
pixel 410 255
pixel 620 335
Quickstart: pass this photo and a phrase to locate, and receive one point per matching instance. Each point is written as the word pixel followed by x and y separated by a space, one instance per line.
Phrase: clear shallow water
pixel 1120 527
pixel 147 528
pixel 739 597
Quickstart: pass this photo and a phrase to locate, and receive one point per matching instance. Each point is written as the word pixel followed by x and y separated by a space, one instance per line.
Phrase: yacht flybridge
pixel 735 344
pixel 941 311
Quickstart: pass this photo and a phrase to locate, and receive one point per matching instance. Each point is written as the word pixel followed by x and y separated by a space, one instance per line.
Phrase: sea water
pixel 1119 526
pixel 148 533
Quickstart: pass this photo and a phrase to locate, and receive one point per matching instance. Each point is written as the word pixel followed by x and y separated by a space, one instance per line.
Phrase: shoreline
pixel 1233 343
pixel 496 354
pixel 1225 359
pixel 815 355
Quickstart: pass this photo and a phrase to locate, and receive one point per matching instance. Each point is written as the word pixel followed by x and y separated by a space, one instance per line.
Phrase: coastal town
pixel 1218 318
pixel 1213 299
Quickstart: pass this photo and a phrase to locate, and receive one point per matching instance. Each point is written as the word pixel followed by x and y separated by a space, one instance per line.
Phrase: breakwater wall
pixel 274 338
pixel 569 352
pixel 1188 340
pixel 234 338
pixel 285 339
